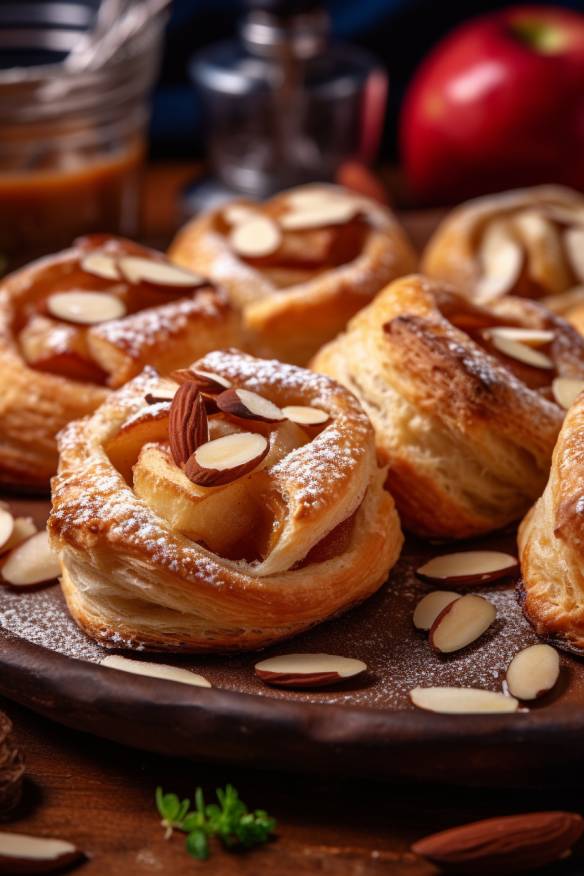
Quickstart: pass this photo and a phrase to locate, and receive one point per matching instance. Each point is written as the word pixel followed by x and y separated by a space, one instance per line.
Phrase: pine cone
pixel 11 767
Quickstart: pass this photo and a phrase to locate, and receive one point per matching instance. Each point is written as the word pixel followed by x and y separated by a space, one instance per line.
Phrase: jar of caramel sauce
pixel 71 143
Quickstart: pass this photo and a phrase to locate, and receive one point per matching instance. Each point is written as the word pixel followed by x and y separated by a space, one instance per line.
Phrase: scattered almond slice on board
pixel 308 670
pixel 566 390
pixel 430 606
pixel 469 567
pixel 533 672
pixel 85 308
pixel 31 562
pixel 6 526
pixel 462 700
pixel 155 670
pixel 461 622
pixel 20 853
pixel 23 528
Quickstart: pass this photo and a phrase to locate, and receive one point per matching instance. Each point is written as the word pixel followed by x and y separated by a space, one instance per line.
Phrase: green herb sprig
pixel 229 820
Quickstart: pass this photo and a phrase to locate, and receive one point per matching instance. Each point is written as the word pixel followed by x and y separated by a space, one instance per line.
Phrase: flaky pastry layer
pixel 131 580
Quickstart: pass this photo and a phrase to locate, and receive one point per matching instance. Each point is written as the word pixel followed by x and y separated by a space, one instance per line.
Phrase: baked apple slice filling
pixel 227 468
pixel 99 312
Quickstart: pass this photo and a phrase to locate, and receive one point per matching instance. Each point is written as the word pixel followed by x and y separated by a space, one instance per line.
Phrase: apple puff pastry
pixel 298 266
pixel 222 510
pixel 551 543
pixel 75 324
pixel 528 242
pixel 465 400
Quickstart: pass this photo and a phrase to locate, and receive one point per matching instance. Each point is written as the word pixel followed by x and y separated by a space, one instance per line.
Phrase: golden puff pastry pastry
pixel 298 266
pixel 551 543
pixel 245 510
pixel 461 399
pixel 74 324
pixel 528 242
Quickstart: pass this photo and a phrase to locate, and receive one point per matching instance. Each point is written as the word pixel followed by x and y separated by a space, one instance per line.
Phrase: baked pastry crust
pixel 303 294
pixel 551 543
pixel 467 440
pixel 36 403
pixel 536 223
pixel 131 579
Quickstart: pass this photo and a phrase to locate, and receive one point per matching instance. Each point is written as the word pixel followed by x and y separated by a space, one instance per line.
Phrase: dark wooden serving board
pixel 362 728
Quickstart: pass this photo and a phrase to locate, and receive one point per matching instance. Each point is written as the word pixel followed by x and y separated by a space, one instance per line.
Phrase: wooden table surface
pixel 101 796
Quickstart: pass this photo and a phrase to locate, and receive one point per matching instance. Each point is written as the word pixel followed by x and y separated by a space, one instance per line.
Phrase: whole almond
pixel 187 423
pixel 506 845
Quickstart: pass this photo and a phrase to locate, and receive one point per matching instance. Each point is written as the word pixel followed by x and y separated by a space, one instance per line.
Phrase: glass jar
pixel 284 104
pixel 71 143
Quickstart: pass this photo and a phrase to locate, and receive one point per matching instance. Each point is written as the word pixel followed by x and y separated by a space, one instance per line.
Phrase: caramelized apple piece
pixel 148 424
pixel 49 345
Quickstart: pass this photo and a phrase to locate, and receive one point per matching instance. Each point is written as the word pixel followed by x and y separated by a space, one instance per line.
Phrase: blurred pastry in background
pixel 75 324
pixel 466 400
pixel 528 242
pixel 297 266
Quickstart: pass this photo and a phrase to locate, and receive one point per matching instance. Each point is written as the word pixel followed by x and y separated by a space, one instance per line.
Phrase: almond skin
pixel 506 845
pixel 187 423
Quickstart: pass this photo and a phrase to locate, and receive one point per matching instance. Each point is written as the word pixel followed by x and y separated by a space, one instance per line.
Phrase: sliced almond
pixel 23 528
pixel 187 423
pixel 521 352
pixel 249 406
pixel 430 606
pixel 85 308
pixel 533 672
pixel 100 264
pixel 335 211
pixel 235 214
pixel 574 240
pixel 305 416
pixel 501 260
pixel 155 670
pixel 141 270
pixel 313 198
pixel 308 670
pixel 227 458
pixel 543 247
pixel 20 853
pixel 461 622
pixel 566 390
pixel 6 526
pixel 256 237
pixel 469 567
pixel 565 302
pixel 529 337
pixel 32 562
pixel 461 700
pixel 207 381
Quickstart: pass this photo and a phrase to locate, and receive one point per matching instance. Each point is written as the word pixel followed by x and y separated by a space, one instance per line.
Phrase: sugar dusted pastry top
pixel 230 557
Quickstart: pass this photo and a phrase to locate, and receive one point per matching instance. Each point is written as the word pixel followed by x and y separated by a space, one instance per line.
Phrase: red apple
pixel 498 103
